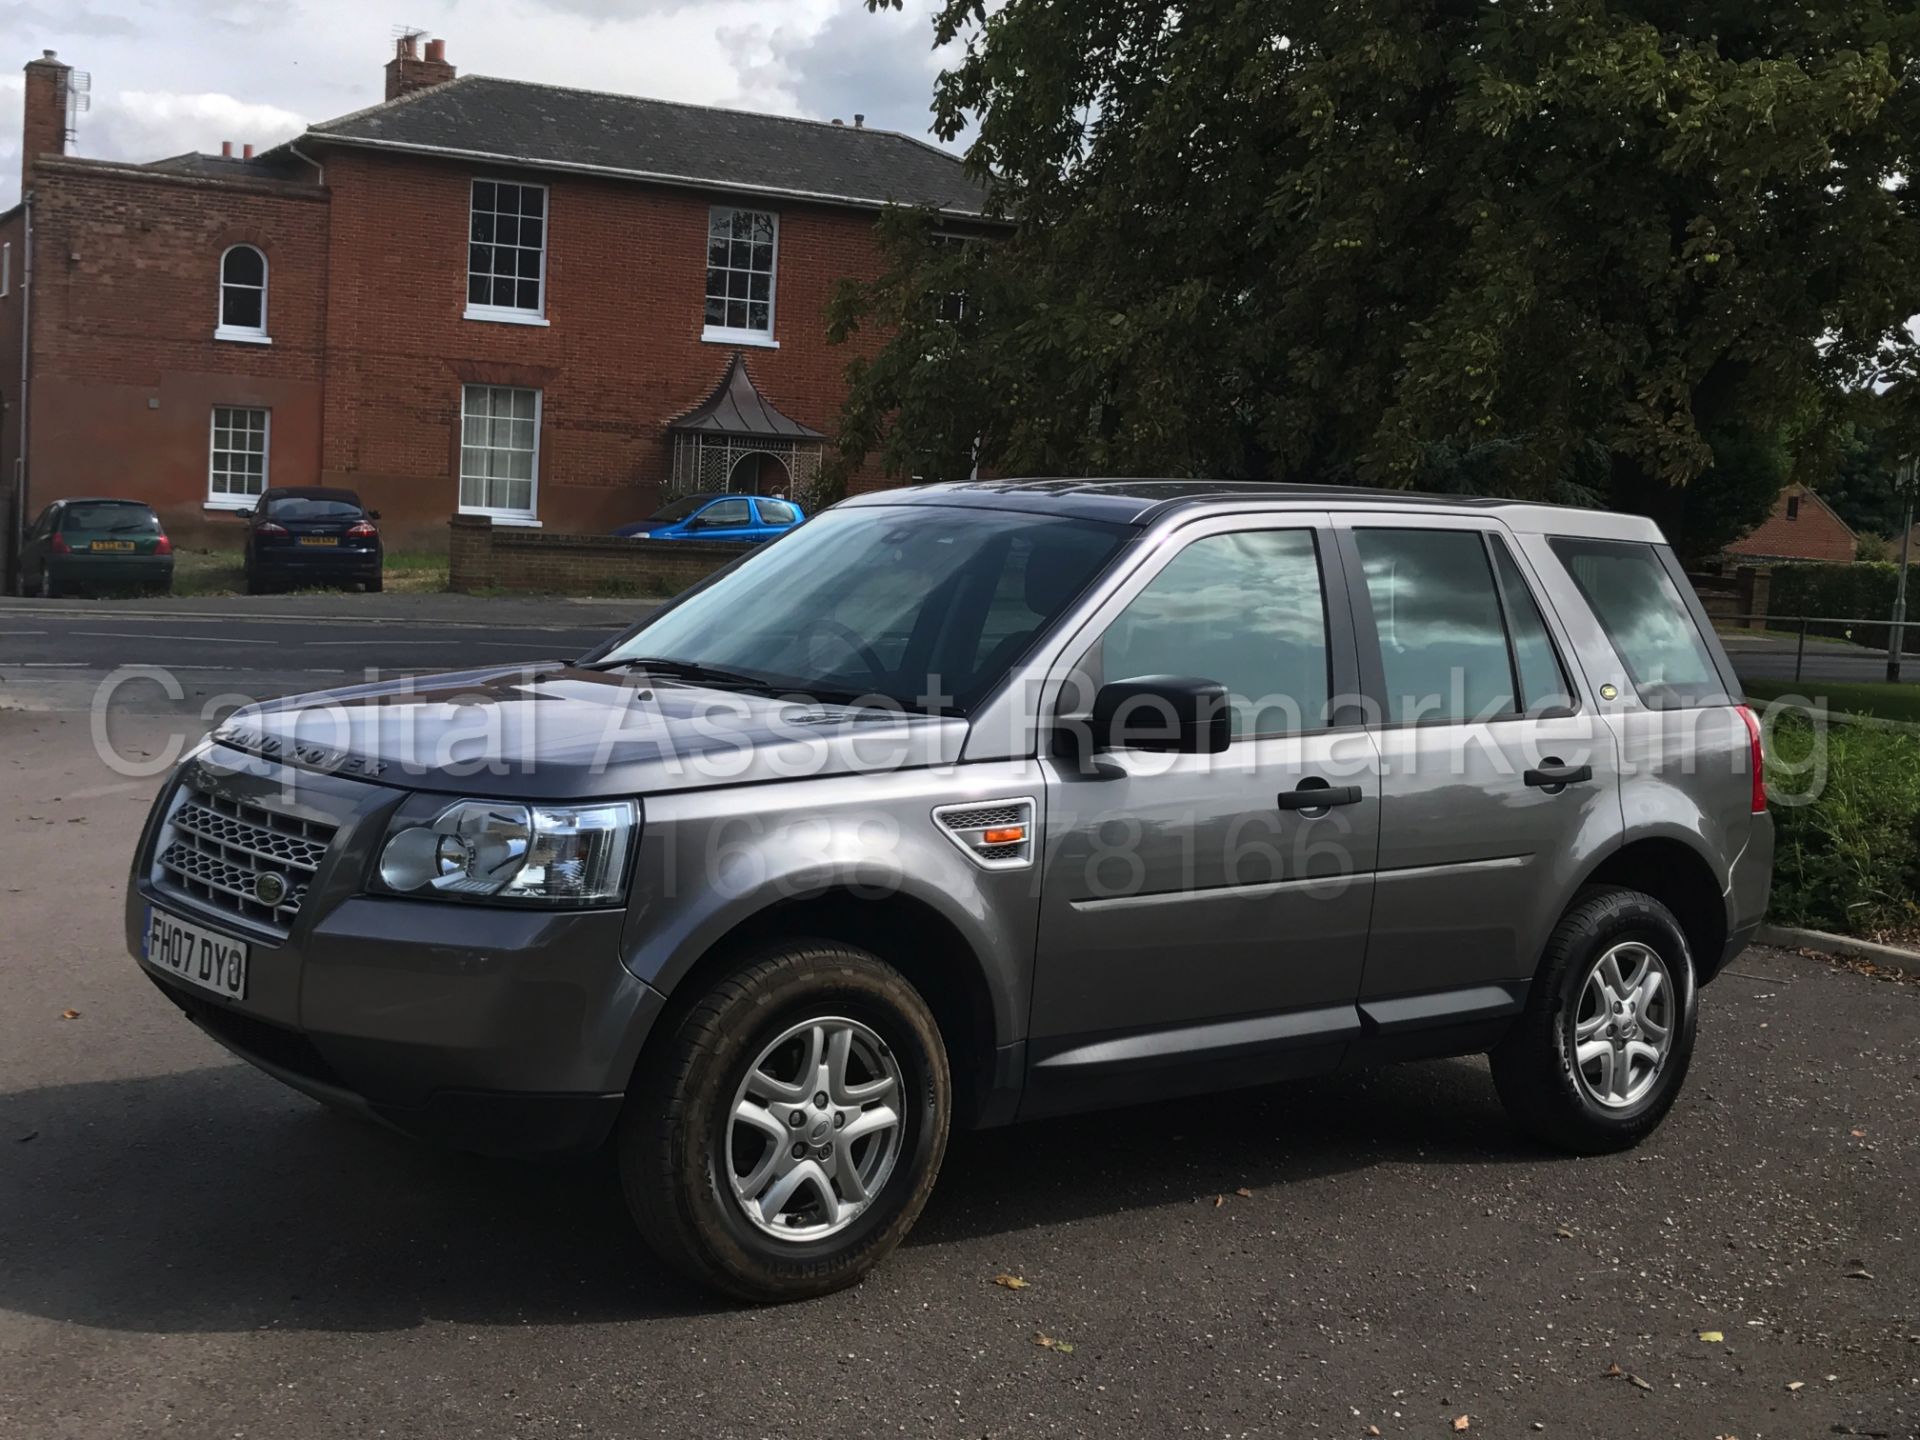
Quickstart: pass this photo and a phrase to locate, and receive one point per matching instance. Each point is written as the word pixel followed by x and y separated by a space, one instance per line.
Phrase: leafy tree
pixel 1550 247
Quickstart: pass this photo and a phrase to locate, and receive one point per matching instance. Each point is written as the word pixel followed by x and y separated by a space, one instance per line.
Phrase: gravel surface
pixel 188 1249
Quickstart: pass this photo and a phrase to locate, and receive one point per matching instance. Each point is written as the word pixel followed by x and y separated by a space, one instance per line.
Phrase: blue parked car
pixel 717 517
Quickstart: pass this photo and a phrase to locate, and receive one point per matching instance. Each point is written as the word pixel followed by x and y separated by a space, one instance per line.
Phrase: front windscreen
pixel 922 607
pixel 679 509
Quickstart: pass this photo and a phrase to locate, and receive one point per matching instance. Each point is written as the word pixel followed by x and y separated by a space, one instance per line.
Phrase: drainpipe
pixel 23 511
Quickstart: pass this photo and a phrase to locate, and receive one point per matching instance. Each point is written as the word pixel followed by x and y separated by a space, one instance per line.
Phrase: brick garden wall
pixel 485 556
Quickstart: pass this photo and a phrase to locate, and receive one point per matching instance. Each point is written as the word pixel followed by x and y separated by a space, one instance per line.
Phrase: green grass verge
pixel 1888 702
pixel 1846 811
pixel 219 572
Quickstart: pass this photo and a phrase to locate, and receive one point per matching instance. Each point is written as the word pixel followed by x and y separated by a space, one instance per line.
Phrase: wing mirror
pixel 1177 714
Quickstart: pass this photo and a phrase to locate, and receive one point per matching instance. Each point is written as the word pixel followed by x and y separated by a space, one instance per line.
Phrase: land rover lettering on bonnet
pixel 962 805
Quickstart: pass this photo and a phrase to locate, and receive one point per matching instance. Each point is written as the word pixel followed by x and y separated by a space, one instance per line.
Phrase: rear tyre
pixel 376 584
pixel 1602 1049
pixel 255 585
pixel 785 1129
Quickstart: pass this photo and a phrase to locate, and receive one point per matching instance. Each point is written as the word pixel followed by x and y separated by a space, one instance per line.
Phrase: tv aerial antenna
pixel 79 100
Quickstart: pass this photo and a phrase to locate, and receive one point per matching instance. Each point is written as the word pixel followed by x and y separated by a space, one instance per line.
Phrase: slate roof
pixel 736 408
pixel 270 165
pixel 517 122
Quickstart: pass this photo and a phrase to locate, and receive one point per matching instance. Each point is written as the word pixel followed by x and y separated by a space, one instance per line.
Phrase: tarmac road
pixel 187 1248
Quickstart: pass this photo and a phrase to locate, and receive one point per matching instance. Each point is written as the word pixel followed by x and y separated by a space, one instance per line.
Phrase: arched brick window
pixel 243 295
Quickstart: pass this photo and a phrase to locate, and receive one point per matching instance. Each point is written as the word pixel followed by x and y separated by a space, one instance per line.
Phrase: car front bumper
pixel 504 1031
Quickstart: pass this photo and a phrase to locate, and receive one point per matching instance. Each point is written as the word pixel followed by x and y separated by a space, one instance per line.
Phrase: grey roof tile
pixel 514 121
pixel 736 407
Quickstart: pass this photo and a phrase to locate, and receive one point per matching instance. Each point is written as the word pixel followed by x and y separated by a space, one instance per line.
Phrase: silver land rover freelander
pixel 973 803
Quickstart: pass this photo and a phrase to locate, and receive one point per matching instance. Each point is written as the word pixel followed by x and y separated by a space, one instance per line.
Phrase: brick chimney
pixel 43 129
pixel 407 72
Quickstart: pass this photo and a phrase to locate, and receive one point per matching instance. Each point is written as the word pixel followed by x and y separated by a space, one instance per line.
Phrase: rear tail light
pixel 361 530
pixel 1757 758
pixel 59 545
pixel 163 546
pixel 267 527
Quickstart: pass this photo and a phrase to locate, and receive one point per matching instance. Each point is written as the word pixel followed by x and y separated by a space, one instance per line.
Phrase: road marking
pixel 183 639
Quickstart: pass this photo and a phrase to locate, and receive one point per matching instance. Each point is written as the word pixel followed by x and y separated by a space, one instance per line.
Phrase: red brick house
pixel 1801 527
pixel 479 296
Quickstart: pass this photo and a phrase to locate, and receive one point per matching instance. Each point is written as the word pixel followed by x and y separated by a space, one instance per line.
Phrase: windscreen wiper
pixel 688 670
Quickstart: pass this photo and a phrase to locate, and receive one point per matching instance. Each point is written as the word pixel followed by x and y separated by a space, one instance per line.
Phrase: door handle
pixel 1552 775
pixel 1318 797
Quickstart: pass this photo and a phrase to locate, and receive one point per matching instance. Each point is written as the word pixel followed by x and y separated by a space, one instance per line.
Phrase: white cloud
pixel 176 75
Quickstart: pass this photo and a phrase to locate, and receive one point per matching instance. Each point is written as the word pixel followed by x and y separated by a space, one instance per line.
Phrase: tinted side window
pixel 1648 622
pixel 1246 610
pixel 778 512
pixel 725 512
pixel 1543 680
pixel 1437 614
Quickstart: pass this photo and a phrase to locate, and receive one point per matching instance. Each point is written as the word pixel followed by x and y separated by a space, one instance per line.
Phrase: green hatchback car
pixel 96 545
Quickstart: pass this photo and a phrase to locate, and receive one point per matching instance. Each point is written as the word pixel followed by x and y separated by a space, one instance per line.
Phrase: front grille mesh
pixel 216 850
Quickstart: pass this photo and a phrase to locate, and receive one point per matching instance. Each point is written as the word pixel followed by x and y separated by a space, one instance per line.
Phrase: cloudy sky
pixel 177 75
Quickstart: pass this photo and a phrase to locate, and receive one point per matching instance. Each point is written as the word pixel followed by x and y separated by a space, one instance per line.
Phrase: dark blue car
pixel 717 517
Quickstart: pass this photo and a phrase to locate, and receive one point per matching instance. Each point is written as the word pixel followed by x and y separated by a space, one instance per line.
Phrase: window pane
pixel 762 227
pixel 1644 615
pixel 737 314
pixel 716 311
pixel 760 287
pixel 759 316
pixel 483 195
pixel 522 401
pixel 533 201
pixel 726 512
pixel 245 266
pixel 1438 619
pixel 778 512
pixel 241 308
pixel 740 255
pixel 716 255
pixel 507 199
pixel 1543 683
pixel 529 264
pixel 529 293
pixel 1244 609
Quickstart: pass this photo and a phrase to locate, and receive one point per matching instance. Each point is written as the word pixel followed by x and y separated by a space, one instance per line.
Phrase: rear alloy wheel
pixel 1598 1057
pixel 785 1128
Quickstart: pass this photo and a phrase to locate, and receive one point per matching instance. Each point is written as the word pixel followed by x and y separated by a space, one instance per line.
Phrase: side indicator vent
pixel 996 834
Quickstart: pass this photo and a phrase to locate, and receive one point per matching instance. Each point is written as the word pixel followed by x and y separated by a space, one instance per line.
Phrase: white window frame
pixel 218 500
pixel 6 269
pixel 500 515
pixel 508 314
pixel 727 335
pixel 246 334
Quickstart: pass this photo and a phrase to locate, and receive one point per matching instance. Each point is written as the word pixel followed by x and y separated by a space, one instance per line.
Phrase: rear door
pixel 1499 782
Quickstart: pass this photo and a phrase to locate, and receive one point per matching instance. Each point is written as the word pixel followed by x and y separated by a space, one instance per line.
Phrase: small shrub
pixel 1846 824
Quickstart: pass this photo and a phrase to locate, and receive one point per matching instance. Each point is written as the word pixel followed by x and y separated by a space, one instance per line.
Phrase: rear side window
pixel 778 512
pixel 131 519
pixel 1437 613
pixel 1246 610
pixel 1544 686
pixel 1646 618
pixel 725 512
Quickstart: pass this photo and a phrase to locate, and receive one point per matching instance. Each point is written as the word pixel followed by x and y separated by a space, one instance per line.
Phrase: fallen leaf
pixel 1047 1342
pixel 1462 1422
pixel 1638 1383
pixel 1859 1275
pixel 1614 1372
pixel 1796 1385
pixel 1063 1347
pixel 1244 1193
pixel 1373 1429
pixel 1563 1233
pixel 1712 1337
pixel 1859 1134
pixel 1010 1282
pixel 1218 1201
pixel 69 1014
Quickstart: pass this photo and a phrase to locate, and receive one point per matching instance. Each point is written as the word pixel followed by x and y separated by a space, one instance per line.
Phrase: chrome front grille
pixel 220 852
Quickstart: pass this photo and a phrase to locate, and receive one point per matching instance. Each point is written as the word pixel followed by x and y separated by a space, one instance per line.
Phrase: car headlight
pixel 497 850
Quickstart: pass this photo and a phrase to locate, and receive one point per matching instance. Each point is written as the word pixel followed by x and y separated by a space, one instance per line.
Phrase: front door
pixel 1499 782
pixel 1201 923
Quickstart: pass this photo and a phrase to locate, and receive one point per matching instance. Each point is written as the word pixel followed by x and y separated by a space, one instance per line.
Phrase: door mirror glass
pixel 1182 714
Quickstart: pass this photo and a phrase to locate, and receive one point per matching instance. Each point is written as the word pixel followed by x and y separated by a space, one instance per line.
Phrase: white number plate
pixel 196 955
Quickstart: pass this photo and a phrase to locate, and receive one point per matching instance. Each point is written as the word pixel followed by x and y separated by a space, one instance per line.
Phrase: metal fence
pixel 1871 634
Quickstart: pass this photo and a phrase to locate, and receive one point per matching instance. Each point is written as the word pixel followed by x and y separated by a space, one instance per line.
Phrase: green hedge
pixel 1848 858
pixel 1861 591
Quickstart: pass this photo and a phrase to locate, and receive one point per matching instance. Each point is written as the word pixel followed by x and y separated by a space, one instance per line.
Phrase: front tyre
pixel 1599 1055
pixel 783 1136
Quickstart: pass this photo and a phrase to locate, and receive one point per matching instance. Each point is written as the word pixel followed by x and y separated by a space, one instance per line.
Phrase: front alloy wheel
pixel 814 1137
pixel 785 1126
